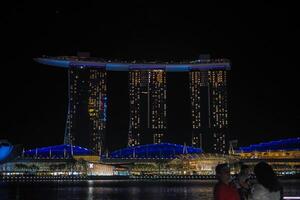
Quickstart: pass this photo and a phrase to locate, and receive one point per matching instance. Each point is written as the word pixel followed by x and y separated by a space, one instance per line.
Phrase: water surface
pixel 121 189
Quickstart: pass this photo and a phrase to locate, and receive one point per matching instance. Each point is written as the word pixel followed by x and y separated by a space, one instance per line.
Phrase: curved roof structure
pixel 66 62
pixel 162 150
pixel 5 150
pixel 58 151
pixel 285 144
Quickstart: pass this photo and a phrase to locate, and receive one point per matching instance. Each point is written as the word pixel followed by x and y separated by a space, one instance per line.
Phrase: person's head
pixel 266 176
pixel 223 172
pixel 245 169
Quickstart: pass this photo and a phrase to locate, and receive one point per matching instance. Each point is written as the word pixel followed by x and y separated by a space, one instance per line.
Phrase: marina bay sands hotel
pixel 87 107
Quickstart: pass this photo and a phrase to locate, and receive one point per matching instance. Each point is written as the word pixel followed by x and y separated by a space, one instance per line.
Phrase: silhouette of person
pixel 242 182
pixel 268 186
pixel 224 189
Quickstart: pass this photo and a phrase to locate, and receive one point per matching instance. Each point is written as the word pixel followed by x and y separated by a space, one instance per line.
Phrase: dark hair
pixel 266 176
pixel 220 167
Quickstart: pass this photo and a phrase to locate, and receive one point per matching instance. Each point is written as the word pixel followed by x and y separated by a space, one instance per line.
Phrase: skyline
pixel 263 81
pixel 148 109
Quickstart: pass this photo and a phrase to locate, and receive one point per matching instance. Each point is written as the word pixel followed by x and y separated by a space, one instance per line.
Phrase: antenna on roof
pixel 232 145
pixel 133 153
pixel 100 152
pixel 231 150
pixel 36 152
pixel 64 152
pixel 184 149
pixel 72 149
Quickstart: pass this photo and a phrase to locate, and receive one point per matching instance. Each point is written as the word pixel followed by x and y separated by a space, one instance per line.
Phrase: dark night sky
pixel 258 39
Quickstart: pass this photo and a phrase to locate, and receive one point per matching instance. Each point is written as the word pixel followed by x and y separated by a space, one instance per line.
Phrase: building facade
pixel 86 120
pixel 147 97
pixel 147 100
pixel 209 109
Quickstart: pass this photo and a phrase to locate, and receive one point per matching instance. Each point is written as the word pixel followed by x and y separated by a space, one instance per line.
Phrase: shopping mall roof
pixel 162 150
pixel 284 144
pixel 58 151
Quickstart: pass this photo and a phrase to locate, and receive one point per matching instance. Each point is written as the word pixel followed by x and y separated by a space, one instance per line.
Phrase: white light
pixel 291 197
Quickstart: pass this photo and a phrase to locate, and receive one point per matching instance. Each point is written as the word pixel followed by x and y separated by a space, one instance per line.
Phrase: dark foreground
pixel 121 189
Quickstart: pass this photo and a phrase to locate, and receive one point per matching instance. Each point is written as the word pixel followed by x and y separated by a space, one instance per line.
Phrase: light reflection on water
pixel 145 190
pixel 123 189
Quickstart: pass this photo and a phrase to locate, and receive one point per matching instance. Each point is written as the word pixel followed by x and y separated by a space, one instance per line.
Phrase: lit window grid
pixel 154 82
pixel 134 116
pixel 95 81
pixel 219 109
pixel 197 80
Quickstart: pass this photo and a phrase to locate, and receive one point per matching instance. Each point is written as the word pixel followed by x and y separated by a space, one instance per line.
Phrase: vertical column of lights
pixel 73 104
pixel 97 106
pixel 195 106
pixel 158 104
pixel 198 79
pixel 134 116
pixel 218 108
pixel 151 84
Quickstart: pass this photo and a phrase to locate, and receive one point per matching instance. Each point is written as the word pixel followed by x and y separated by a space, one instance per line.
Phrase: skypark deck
pixel 66 62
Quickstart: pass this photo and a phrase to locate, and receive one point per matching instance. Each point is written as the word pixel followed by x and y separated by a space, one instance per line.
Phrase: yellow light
pixel 91 110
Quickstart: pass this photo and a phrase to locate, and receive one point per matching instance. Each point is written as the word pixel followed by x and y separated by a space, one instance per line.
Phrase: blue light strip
pixel 178 68
pixel 87 64
pixel 53 62
pixel 130 66
pixel 58 151
pixel 285 144
pixel 162 150
pixel 116 67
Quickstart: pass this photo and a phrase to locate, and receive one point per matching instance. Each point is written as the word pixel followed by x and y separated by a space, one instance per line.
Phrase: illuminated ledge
pixel 114 66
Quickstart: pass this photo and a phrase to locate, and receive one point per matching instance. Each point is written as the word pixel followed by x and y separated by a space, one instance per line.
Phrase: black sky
pixel 259 40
